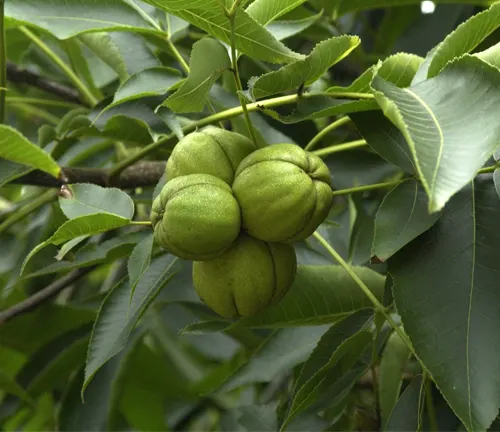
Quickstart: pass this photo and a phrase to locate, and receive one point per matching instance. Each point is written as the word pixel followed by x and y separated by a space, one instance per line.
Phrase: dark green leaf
pixel 406 415
pixel 120 313
pixel 329 343
pixel 402 217
pixel 392 366
pixel 277 355
pixel 445 287
pixel 385 138
pixel 139 260
pixel 337 367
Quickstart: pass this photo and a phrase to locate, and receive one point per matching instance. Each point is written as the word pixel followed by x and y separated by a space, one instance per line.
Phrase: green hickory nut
pixel 284 193
pixel 196 217
pixel 213 151
pixel 247 278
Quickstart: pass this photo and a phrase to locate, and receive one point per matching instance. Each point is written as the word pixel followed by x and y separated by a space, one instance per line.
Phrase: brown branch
pixel 43 295
pixel 19 75
pixel 139 175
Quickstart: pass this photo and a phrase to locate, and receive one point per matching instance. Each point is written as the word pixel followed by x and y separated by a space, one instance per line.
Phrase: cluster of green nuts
pixel 236 211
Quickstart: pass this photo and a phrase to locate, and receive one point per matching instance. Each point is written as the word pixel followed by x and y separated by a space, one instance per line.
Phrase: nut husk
pixel 196 217
pixel 247 278
pixel 213 151
pixel 284 193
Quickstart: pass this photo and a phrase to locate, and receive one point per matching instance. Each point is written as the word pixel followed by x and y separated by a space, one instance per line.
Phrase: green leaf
pixel 16 148
pixel 288 27
pixel 204 71
pixel 119 314
pixel 28 333
pixel 360 245
pixel 10 171
pixel 70 245
pixel 445 287
pixel 322 57
pixel 267 11
pixel 277 355
pixel 440 142
pixel 83 225
pixel 107 50
pixel 66 18
pixel 88 199
pixel 250 37
pixel 329 342
pixel 92 253
pixel 149 82
pixel 402 217
pixel 319 295
pixel 338 365
pixel 465 38
pixel 316 106
pixel 407 413
pixel 91 414
pixel 10 386
pixel 385 138
pixel 392 366
pixel 139 261
pixel 491 55
pixel 399 69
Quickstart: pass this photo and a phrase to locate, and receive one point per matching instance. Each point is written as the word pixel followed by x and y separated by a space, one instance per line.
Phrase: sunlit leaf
pixel 66 18
pixel 440 142
pixel 83 225
pixel 250 37
pixel 16 148
pixel 267 11
pixel 322 57
pixel 87 199
pixel 204 71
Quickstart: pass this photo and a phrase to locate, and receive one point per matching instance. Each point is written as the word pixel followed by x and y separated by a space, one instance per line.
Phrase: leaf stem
pixel 366 188
pixel 340 147
pixel 24 211
pixel 144 223
pixel 377 305
pixel 3 63
pixel 39 101
pixel 489 169
pixel 234 61
pixel 178 55
pixel 321 134
pixel 429 403
pixel 59 62
pixel 214 118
